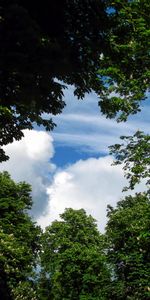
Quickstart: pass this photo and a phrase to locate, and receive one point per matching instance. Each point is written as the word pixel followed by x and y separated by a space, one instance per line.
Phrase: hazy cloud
pixel 82 125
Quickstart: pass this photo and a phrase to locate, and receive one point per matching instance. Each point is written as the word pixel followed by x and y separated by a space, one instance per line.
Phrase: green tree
pixel 94 45
pixel 128 233
pixel 135 154
pixel 19 243
pixel 73 258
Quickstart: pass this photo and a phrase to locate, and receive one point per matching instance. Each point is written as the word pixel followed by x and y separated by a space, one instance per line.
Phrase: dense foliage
pixel 75 261
pixel 125 65
pixel 60 40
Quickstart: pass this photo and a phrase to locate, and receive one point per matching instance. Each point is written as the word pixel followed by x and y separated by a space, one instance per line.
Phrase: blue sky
pixel 83 132
pixel 71 166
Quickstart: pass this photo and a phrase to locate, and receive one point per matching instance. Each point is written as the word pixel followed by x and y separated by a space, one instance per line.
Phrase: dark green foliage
pixel 19 239
pixel 94 45
pixel 74 259
pixel 60 40
pixel 128 232
pixel 135 154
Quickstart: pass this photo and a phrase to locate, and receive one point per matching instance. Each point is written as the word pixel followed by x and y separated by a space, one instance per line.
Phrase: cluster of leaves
pixel 135 154
pixel 124 66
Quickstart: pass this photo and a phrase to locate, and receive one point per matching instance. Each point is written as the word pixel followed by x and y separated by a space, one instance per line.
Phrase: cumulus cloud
pixel 91 184
pixel 30 161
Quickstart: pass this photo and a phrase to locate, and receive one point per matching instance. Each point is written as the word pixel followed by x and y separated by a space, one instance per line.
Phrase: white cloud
pixel 91 184
pixel 30 161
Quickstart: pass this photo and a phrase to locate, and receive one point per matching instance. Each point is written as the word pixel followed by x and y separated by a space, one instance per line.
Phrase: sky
pixel 71 166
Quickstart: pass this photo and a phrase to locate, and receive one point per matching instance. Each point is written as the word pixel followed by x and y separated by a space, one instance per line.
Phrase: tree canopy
pixel 74 259
pixel 94 45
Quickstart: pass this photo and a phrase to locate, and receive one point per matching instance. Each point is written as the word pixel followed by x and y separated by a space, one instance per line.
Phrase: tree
pixel 14 285
pixel 128 233
pixel 19 243
pixel 73 258
pixel 58 40
pixel 94 45
pixel 135 154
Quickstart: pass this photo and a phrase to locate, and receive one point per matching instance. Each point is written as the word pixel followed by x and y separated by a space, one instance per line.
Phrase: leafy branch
pixel 134 153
